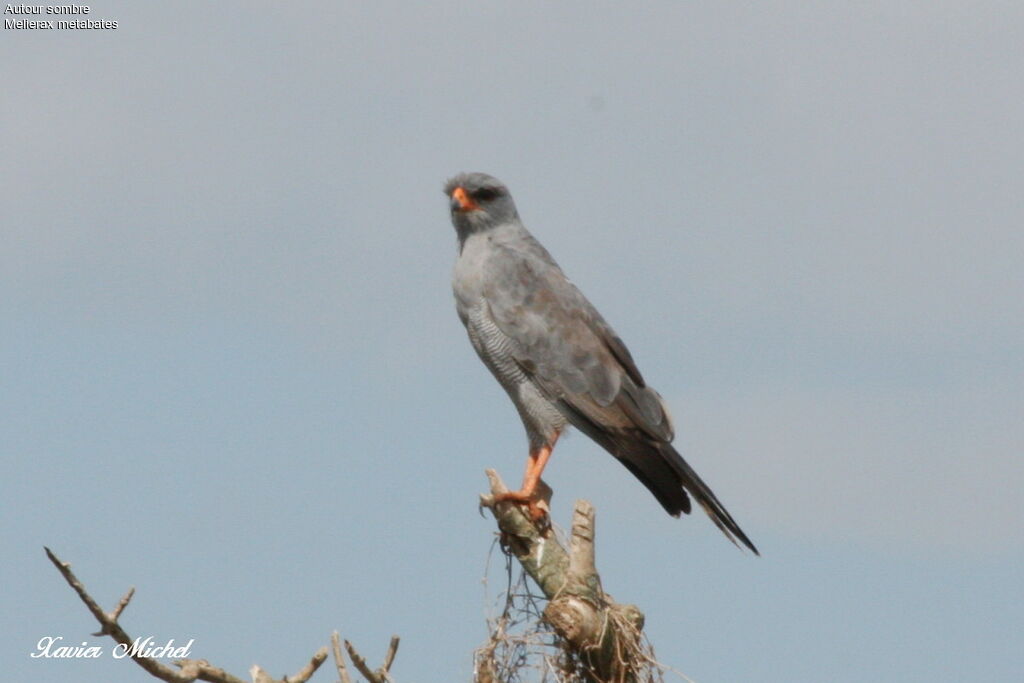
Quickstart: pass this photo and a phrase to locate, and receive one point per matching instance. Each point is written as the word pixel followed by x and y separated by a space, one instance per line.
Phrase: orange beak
pixel 461 200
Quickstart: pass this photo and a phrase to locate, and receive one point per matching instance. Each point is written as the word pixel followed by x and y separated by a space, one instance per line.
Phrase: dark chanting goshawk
pixel 557 358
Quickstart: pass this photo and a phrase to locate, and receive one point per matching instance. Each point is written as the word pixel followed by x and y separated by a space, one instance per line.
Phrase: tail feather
pixel 659 478
pixel 662 470
pixel 703 494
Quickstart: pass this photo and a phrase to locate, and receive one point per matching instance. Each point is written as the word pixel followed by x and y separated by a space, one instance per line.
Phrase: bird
pixel 557 358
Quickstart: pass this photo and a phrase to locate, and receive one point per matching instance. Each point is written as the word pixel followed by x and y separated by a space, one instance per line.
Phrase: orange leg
pixel 535 465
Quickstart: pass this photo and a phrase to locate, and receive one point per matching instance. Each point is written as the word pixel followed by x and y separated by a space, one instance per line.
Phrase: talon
pixel 534 494
pixel 538 511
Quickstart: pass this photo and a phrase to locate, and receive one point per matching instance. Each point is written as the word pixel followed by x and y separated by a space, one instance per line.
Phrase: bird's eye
pixel 485 194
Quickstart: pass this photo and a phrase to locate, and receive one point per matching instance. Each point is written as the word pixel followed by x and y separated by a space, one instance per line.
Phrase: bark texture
pixel 605 636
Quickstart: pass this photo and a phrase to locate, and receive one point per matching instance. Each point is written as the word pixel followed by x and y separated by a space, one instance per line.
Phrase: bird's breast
pixel 469 276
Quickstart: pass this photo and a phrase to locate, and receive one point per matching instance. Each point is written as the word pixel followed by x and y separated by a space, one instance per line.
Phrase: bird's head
pixel 478 202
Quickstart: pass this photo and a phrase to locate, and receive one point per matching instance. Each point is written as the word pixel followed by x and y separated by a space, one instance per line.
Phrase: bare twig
pixel 110 627
pixel 116 614
pixel 381 675
pixel 339 659
pixel 360 663
pixel 259 675
pixel 305 672
pixel 189 670
pixel 389 656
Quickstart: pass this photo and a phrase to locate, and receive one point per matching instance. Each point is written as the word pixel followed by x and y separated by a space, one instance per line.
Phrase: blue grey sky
pixel 232 375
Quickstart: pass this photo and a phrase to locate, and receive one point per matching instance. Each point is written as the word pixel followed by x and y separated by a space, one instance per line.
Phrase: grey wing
pixel 567 348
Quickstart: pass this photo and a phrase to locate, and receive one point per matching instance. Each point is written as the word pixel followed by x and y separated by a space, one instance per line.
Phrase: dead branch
pixel 339 660
pixel 190 670
pixel 602 636
pixel 602 640
pixel 381 675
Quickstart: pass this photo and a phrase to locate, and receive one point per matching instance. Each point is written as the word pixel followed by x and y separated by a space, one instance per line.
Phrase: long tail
pixel 703 494
pixel 664 472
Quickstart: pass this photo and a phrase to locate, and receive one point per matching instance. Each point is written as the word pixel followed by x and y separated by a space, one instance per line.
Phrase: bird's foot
pixel 537 508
